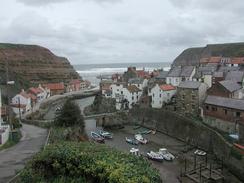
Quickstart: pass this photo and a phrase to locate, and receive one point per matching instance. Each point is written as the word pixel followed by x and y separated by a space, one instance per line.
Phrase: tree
pixel 69 116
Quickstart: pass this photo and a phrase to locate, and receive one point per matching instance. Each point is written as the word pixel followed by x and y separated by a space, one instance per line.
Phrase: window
pixel 193 97
pixel 121 92
pixel 183 97
pixel 193 106
pixel 138 85
pixel 238 114
pixel 225 110
pixel 160 95
pixel 132 97
pixel 207 107
pixel 214 108
pixel 153 95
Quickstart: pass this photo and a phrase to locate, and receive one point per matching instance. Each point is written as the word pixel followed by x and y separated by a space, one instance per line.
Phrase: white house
pixel 126 97
pixel 39 93
pixel 162 94
pixel 140 83
pixel 4 129
pixel 117 89
pixel 178 74
pixel 132 95
pixel 21 102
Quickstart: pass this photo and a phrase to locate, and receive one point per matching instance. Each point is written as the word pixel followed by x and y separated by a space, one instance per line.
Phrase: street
pixel 13 159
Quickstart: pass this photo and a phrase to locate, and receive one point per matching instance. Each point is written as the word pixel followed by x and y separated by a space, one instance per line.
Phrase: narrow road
pixel 14 158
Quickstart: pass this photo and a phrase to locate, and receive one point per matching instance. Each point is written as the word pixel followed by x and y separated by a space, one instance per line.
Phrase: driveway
pixel 14 158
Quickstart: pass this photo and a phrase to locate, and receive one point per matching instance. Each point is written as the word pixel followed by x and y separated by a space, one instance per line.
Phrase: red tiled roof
pixel 210 60
pixel 35 90
pixel 237 60
pixel 75 81
pixel 166 87
pixel 33 97
pixel 215 60
pixel 142 73
pixel 55 86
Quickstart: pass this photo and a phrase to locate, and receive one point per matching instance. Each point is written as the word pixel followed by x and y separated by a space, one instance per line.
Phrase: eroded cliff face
pixel 192 56
pixel 34 64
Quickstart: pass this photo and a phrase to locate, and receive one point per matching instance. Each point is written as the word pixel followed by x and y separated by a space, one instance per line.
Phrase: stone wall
pixel 192 132
pixel 225 126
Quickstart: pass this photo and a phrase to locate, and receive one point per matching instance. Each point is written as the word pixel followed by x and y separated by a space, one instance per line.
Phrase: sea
pixel 92 71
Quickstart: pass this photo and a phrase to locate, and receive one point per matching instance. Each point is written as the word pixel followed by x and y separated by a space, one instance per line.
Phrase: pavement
pixel 13 159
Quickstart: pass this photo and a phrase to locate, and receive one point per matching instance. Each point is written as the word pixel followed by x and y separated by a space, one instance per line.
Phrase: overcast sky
pixel 115 31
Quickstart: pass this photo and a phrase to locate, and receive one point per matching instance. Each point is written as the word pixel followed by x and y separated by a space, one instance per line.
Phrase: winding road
pixel 13 159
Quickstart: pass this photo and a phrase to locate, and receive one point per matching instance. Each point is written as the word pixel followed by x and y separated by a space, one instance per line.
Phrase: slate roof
pixel 162 75
pixel 190 84
pixel 136 81
pixel 175 72
pixel 181 71
pixel 235 76
pixel 230 85
pixel 226 69
pixel 225 102
pixel 186 71
pixel 133 89
pixel 218 74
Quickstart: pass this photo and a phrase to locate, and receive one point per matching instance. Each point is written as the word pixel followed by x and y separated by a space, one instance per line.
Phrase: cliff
pixel 30 65
pixel 192 56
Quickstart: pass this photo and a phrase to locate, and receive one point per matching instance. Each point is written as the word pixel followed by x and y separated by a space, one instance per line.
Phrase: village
pixel 212 91
pixel 28 101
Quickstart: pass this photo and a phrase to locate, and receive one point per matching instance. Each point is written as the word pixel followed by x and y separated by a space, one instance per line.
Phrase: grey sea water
pixel 91 71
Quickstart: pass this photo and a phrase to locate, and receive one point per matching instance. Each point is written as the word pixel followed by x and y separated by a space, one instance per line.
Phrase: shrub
pixel 88 162
pixel 69 115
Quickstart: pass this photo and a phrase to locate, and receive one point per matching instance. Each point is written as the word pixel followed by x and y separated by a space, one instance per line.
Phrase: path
pixel 14 158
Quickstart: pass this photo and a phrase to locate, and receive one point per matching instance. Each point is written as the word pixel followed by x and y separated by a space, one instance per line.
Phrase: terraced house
pixel 190 96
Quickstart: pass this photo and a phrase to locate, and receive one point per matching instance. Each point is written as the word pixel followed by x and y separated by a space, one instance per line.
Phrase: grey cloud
pixel 46 2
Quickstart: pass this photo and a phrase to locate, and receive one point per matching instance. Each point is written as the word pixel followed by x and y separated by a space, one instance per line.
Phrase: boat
pixel 200 152
pixel 134 151
pixel 96 137
pixel 105 134
pixel 140 138
pixel 131 141
pixel 166 154
pixel 155 156
pixel 145 132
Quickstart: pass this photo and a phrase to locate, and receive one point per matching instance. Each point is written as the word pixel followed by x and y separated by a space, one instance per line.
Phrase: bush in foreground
pixel 86 162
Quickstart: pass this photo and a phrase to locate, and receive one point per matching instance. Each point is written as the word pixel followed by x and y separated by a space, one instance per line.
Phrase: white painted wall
pixel 116 89
pixel 175 81
pixel 5 135
pixel 207 79
pixel 159 96
pixel 23 101
pixel 132 98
